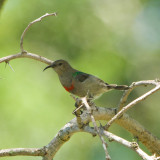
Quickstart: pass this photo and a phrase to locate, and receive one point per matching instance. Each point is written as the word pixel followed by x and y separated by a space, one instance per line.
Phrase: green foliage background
pixel 117 40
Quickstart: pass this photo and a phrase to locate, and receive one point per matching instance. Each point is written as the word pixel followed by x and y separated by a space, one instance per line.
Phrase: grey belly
pixel 89 89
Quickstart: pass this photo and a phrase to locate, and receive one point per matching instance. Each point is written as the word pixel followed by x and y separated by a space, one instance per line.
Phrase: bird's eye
pixel 60 64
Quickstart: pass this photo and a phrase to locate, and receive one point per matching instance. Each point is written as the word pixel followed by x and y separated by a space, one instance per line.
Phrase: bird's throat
pixel 71 87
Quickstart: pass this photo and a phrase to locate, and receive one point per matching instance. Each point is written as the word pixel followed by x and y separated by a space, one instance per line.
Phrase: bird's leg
pixel 78 102
pixel 91 103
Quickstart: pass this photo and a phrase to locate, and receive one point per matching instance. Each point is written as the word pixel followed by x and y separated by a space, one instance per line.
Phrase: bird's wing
pixel 81 77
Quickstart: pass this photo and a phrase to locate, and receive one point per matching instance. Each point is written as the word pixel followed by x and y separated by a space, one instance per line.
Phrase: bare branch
pixel 134 127
pixel 150 141
pixel 30 24
pixel 112 137
pixel 133 86
pixel 22 151
pixel 104 144
pixel 27 55
pixel 61 137
pixel 133 103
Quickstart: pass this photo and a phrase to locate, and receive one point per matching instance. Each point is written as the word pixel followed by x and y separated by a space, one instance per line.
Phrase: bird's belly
pixel 89 89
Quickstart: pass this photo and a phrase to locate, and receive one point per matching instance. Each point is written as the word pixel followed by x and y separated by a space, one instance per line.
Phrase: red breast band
pixel 69 88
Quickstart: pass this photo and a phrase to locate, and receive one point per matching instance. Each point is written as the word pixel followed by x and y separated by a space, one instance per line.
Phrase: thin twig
pixel 30 24
pixel 131 87
pixel 10 66
pixel 104 144
pixel 132 145
pixel 131 104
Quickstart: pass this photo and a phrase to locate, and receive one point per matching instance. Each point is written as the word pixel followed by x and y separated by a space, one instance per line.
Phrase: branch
pixel 133 103
pixel 22 152
pixel 150 141
pixel 89 109
pixel 133 86
pixel 26 55
pixel 30 24
pixel 132 145
pixel 100 113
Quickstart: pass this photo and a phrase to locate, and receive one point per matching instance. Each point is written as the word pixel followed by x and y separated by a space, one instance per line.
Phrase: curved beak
pixel 52 65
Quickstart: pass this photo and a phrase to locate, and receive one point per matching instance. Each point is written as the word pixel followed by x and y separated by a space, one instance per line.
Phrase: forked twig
pixel 134 102
pixel 25 54
pixel 132 145
pixel 133 86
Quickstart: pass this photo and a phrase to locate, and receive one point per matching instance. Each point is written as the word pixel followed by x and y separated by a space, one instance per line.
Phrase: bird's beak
pixel 50 66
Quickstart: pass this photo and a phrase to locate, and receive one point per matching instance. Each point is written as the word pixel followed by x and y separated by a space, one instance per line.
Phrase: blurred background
pixel 116 40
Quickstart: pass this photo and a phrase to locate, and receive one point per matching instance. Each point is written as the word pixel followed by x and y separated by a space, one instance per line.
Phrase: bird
pixel 79 83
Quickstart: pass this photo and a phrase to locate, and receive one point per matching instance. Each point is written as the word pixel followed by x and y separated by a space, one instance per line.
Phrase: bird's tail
pixel 118 87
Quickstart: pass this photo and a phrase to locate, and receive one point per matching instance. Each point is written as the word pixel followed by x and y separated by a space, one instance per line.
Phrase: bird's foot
pixel 79 106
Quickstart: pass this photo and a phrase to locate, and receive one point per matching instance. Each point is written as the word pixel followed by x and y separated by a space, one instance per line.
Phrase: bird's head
pixel 60 66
